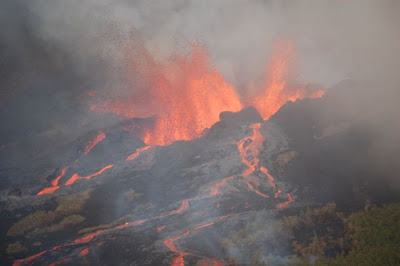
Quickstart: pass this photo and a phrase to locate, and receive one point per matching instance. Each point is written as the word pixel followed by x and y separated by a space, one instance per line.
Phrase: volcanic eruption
pixel 178 134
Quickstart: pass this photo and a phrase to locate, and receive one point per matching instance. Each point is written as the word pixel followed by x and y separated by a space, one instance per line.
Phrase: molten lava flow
pixel 271 179
pixel 209 262
pixel 276 195
pixel 54 183
pixel 84 252
pixel 93 142
pixel 161 228
pixel 215 188
pixel 29 259
pixel 249 150
pixel 277 89
pixel 76 177
pixel 252 148
pixel 137 153
pixel 170 243
pixel 286 203
pixel 182 208
pixel 250 186
pixel 58 262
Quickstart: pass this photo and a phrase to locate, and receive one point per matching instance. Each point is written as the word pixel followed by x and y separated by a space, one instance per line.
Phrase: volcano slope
pixel 214 200
pixel 126 204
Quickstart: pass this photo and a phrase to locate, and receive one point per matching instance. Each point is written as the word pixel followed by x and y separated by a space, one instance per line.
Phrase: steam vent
pixel 206 133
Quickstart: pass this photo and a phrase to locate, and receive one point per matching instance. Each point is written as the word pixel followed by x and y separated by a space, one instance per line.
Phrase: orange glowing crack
pixel 216 187
pixel 29 259
pixel 271 179
pixel 84 252
pixel 93 142
pixel 276 195
pixel 137 153
pixel 170 243
pixel 76 176
pixel 54 183
pixel 286 203
pixel 161 228
pixel 257 191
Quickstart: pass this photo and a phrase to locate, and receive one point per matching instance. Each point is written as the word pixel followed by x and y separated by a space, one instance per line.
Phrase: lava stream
pixel 76 176
pixel 89 237
pixel 84 252
pixel 215 188
pixel 250 145
pixel 93 142
pixel 250 186
pixel 137 153
pixel 286 203
pixel 170 243
pixel 54 183
pixel 271 179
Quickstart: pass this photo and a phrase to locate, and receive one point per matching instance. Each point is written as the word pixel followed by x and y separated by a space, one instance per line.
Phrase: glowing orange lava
pixel 249 148
pixel 84 252
pixel 170 243
pixel 215 188
pixel 75 177
pixel 160 228
pixel 277 88
pixel 289 201
pixel 137 153
pixel 54 183
pixel 187 94
pixel 93 142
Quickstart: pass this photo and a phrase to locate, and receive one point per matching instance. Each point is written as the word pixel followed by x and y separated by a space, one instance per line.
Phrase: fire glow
pixel 188 93
pixel 93 142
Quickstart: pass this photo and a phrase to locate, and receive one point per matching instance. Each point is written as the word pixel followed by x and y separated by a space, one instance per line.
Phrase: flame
pixel 75 177
pixel 186 94
pixel 277 89
pixel 93 142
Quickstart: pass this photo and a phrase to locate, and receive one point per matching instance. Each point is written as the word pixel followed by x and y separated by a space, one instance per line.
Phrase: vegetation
pixel 72 203
pixel 64 223
pixel 34 220
pixel 324 236
pixel 15 248
pixel 67 205
pixel 284 158
pixel 132 195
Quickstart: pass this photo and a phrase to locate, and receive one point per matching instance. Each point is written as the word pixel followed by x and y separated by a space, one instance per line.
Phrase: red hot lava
pixel 76 176
pixel 84 252
pixel 54 183
pixel 187 93
pixel 93 142
pixel 136 154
